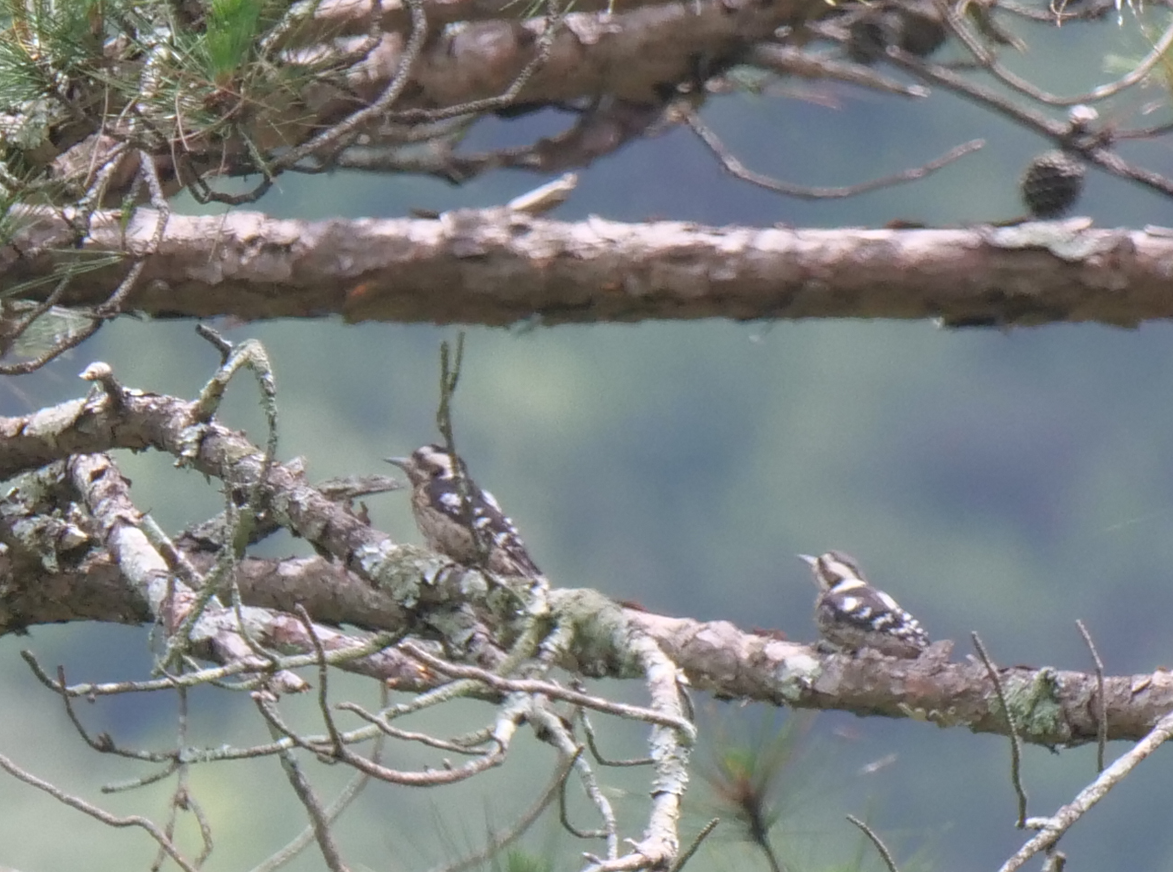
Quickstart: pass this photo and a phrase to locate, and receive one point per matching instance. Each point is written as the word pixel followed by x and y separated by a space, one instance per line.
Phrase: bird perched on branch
pixel 851 614
pixel 458 519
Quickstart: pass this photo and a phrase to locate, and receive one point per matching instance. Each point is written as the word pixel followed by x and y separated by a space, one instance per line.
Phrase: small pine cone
pixel 921 34
pixel 868 38
pixel 1051 184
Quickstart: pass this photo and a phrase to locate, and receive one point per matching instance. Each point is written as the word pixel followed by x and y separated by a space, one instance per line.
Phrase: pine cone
pixel 1051 184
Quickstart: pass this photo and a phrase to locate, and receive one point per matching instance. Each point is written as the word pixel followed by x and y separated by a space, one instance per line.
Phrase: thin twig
pixel 104 744
pixel 687 853
pixel 323 676
pixel 99 814
pixel 554 730
pixel 1026 117
pixel 424 778
pixel 989 63
pixel 501 839
pixel 1054 827
pixel 564 819
pixel 348 794
pixel 408 736
pixel 938 74
pixel 319 818
pixel 450 367
pixel 804 192
pixel 555 12
pixel 1015 739
pixel 546 688
pixel 337 135
pixel 1101 702
pixel 877 841
pixel 182 797
pixel 205 676
pixel 70 340
pixel 787 60
pixel 589 730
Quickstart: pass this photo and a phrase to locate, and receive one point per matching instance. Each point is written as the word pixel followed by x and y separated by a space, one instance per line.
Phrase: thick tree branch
pixel 1050 706
pixel 500 267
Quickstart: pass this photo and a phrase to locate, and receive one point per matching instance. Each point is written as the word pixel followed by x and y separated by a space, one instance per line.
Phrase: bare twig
pixel 877 841
pixel 319 817
pixel 687 853
pixel 347 795
pixel 589 730
pixel 408 735
pixel 1028 118
pixel 502 838
pixel 564 817
pixel 1054 827
pixel 206 676
pixel 1057 13
pixel 555 11
pixel 93 811
pixel 988 62
pixel 338 135
pixel 804 192
pixel 938 74
pixel 450 366
pixel 71 339
pixel 1015 740
pixel 425 778
pixel 554 730
pixel 1101 702
pixel 791 61
pixel 103 743
pixel 331 813
pixel 546 688
pixel 181 796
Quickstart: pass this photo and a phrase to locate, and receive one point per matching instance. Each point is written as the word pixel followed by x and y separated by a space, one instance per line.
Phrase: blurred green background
pixel 1005 482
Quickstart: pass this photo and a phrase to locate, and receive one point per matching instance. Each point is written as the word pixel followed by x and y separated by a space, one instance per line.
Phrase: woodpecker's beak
pixel 810 561
pixel 401 462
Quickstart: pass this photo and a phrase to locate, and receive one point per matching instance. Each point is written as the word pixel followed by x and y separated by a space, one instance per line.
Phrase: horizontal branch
pixel 628 55
pixel 1051 707
pixel 498 267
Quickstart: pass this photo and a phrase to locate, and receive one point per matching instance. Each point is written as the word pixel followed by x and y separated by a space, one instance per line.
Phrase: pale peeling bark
pixel 498 267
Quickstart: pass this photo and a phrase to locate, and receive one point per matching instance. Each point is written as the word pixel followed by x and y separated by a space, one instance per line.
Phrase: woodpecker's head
pixel 428 463
pixel 835 569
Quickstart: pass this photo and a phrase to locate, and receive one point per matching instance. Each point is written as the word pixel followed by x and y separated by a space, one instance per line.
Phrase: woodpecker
pixel 458 519
pixel 851 614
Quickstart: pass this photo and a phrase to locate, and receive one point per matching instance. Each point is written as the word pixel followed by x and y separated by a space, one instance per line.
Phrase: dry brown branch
pixel 717 657
pixel 500 267
pixel 805 192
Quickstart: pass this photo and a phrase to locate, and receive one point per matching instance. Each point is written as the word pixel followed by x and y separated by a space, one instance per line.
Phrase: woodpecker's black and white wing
pixel 458 518
pixel 852 614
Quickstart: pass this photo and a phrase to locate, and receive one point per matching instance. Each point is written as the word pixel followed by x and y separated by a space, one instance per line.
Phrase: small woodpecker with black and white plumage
pixel 458 519
pixel 851 614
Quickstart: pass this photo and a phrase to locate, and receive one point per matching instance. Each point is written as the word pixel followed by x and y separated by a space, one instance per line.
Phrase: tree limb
pixel 500 267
